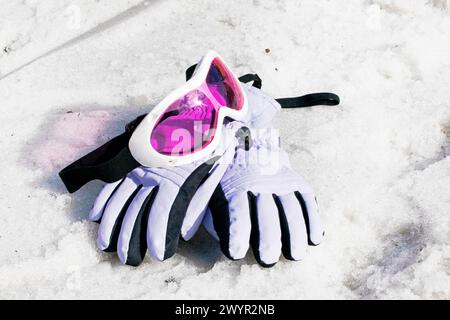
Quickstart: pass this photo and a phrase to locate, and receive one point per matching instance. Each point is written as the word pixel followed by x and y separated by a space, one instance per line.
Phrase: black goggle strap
pixel 310 100
pixel 113 160
pixel 110 162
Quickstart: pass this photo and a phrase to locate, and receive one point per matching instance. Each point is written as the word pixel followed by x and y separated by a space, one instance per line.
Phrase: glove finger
pixel 102 199
pixel 197 206
pixel 115 209
pixel 169 210
pixel 266 232
pixel 132 244
pixel 312 218
pixel 158 219
pixel 294 238
pixel 231 221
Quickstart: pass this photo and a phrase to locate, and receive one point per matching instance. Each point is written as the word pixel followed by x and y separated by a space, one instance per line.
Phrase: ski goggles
pixel 187 124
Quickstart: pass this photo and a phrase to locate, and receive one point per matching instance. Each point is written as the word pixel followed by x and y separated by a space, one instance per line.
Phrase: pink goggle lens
pixel 223 86
pixel 188 125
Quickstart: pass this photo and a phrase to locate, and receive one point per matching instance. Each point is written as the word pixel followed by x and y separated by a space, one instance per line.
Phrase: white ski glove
pixel 148 209
pixel 262 202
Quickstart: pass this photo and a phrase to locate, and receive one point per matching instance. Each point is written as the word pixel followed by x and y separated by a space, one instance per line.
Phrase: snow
pixel 72 73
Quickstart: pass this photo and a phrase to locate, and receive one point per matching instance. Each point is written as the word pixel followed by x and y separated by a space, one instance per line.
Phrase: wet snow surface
pixel 72 73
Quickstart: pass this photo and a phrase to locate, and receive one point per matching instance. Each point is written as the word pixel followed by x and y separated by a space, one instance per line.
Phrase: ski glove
pixel 262 202
pixel 148 209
